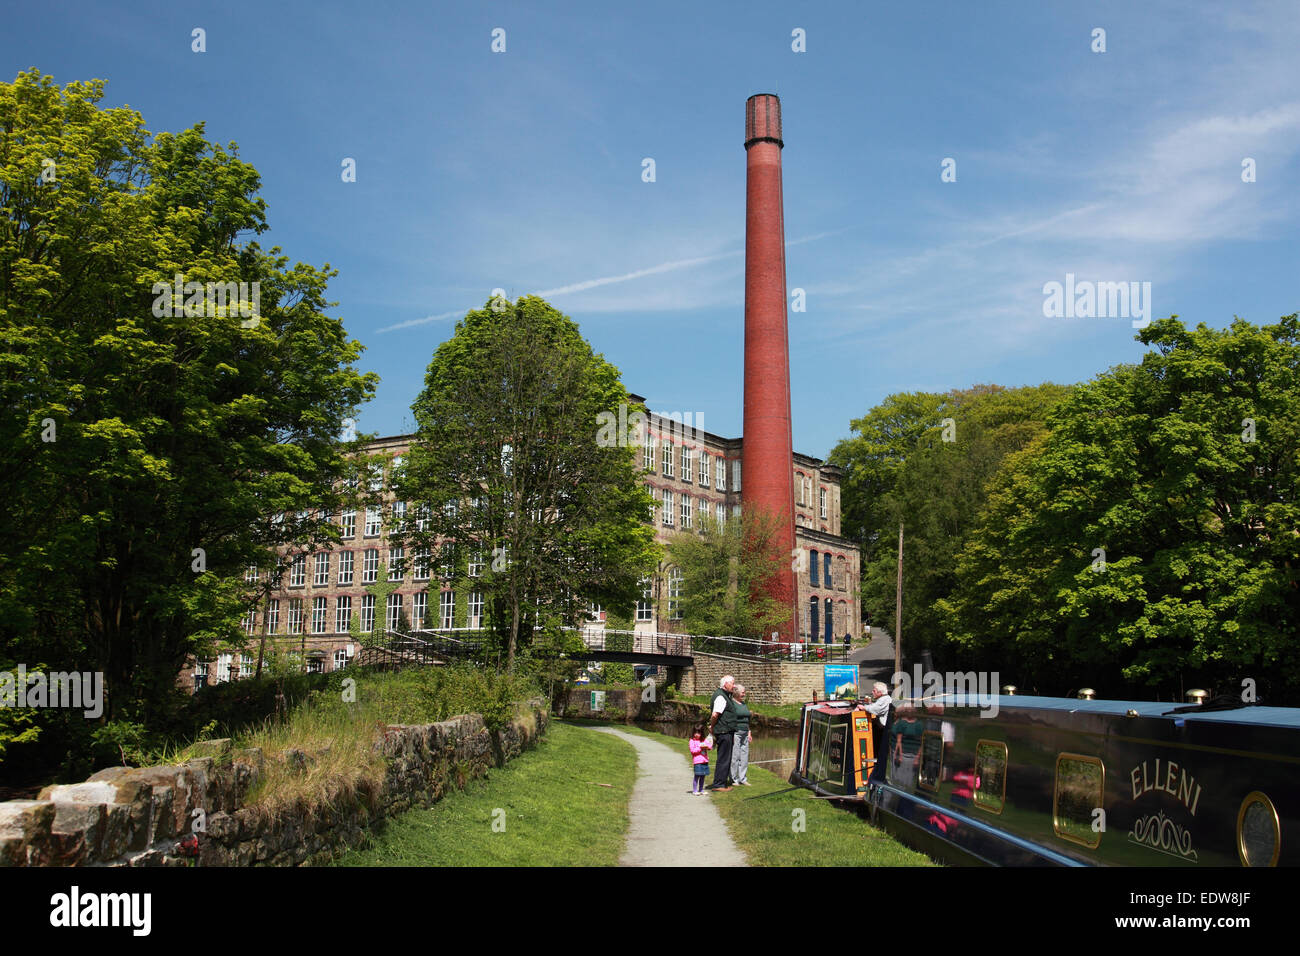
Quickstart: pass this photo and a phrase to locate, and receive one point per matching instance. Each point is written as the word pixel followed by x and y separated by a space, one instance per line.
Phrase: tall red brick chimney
pixel 767 459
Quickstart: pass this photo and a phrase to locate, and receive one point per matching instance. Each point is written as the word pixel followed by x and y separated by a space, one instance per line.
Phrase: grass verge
pixel 788 711
pixel 337 732
pixel 765 829
pixel 547 806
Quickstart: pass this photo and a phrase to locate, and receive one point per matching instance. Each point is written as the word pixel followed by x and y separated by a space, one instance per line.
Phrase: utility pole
pixel 898 607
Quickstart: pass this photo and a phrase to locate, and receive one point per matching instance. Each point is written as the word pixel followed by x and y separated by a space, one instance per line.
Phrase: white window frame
pixel 298 571
pixel 340 658
pixel 419 608
pixel 223 668
pixel 446 609
pixel 686 511
pixel 370 570
pixel 345 567
pixel 688 466
pixel 668 508
pixel 321 569
pixel 395 558
pixel 295 616
pixel 374 522
pixel 399 516
pixel 367 613
pixel 475 608
pixel 668 457
pixel 343 614
pixel 822 503
pixel 319 612
pixel 648 454
pixel 645 609
pixel 675 594
pixel 348 524
pixel 720 474
pixel 393 611
pixel 273 616
pixel 704 469
pixel 420 564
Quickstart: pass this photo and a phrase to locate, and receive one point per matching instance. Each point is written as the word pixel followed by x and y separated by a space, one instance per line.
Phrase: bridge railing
pixel 598 638
pixel 768 649
pixel 427 645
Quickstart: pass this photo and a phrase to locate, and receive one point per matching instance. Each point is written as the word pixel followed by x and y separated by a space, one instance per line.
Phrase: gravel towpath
pixel 668 825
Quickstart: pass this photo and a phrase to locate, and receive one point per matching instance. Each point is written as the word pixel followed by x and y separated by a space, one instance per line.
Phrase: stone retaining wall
pixel 766 682
pixel 150 816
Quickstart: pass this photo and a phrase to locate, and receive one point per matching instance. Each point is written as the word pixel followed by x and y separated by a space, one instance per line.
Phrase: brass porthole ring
pixel 1257 822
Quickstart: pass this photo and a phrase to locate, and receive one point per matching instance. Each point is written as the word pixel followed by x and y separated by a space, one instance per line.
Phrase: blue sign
pixel 841 681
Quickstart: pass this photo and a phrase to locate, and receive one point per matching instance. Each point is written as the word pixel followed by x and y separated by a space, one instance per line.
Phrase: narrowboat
pixel 835 752
pixel 1027 781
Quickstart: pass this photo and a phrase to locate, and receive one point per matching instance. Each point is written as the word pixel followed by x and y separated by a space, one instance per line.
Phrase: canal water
pixel 773 750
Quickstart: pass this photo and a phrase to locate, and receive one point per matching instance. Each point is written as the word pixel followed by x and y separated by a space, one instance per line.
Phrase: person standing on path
pixel 699 759
pixel 722 724
pixel 740 748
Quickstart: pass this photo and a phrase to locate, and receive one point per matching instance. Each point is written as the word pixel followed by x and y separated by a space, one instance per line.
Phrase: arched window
pixel 812 619
pixel 812 573
pixel 827 567
pixel 830 617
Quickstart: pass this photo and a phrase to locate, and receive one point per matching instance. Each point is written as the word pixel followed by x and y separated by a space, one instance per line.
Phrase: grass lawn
pixel 555 814
pixel 788 711
pixel 764 828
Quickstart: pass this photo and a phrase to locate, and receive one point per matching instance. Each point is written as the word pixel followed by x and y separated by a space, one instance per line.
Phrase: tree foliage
pixel 1152 539
pixel 727 569
pixel 145 454
pixel 926 460
pixel 508 464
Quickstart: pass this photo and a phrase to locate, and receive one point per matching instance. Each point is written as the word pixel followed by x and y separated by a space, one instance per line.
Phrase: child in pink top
pixel 700 758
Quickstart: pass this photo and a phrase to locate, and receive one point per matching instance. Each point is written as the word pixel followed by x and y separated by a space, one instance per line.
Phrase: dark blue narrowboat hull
pixel 1025 781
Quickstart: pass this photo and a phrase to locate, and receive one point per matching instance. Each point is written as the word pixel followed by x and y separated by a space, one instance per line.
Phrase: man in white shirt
pixel 722 724
pixel 879 709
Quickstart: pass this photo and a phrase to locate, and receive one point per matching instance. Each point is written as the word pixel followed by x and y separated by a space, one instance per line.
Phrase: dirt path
pixel 668 826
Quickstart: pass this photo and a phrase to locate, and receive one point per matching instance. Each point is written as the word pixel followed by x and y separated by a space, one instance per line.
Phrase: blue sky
pixel 523 170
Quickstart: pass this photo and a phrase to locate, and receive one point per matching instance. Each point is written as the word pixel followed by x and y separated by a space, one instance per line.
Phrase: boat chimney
pixel 1197 696
pixel 1086 693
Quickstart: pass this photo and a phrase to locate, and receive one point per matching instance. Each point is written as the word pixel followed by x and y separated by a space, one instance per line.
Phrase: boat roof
pixel 1248 714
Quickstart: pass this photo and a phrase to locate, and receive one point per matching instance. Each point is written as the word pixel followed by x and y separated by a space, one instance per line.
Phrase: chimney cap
pixel 763 119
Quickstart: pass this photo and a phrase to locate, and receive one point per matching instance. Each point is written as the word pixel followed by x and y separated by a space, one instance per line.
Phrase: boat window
pixel 1080 785
pixel 990 775
pixel 1259 836
pixel 931 760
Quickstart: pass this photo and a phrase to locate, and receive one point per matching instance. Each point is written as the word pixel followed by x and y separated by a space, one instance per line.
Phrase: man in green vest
pixel 722 724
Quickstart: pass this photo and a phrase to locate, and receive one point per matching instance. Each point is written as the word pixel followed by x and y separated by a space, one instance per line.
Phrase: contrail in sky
pixel 608 280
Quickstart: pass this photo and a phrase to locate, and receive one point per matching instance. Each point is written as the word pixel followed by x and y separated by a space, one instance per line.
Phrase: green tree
pixel 873 457
pixel 924 459
pixel 1152 539
pixel 149 439
pixel 507 465
pixel 727 568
